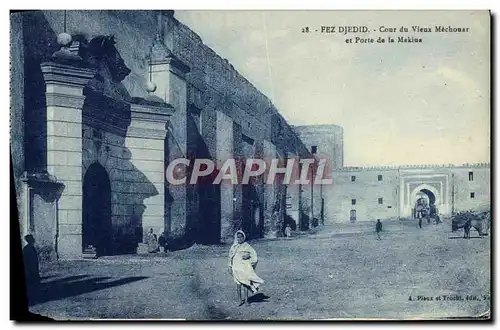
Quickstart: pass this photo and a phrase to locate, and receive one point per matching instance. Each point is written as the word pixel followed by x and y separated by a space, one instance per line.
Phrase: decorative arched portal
pixel 424 197
pixel 96 226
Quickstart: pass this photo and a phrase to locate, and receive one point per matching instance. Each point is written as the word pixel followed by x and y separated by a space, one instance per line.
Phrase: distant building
pixel 326 140
pixel 390 192
pixel 370 193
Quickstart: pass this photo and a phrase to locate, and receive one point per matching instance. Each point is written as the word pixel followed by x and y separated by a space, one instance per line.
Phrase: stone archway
pixel 431 192
pixel 430 195
pixel 96 225
pixel 425 194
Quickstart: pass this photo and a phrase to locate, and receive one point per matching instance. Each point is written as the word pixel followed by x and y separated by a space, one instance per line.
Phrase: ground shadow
pixel 211 312
pixel 258 298
pixel 68 287
pixel 65 279
pixel 461 237
pixel 46 277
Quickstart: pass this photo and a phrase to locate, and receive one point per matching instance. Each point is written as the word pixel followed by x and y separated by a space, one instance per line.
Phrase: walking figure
pixel 288 231
pixel 438 220
pixel 152 242
pixel 162 242
pixel 31 265
pixel 378 228
pixel 426 214
pixel 241 265
pixel 420 222
pixel 467 227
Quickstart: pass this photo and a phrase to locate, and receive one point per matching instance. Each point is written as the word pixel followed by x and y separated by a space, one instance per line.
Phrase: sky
pixel 399 103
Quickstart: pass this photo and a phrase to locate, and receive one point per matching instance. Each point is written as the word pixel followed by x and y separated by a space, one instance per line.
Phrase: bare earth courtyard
pixel 342 271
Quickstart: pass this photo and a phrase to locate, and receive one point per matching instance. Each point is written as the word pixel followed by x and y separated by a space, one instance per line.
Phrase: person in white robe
pixel 241 265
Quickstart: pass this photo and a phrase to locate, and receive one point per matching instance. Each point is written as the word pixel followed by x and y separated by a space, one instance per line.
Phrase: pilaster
pixel 64 96
pixel 148 126
pixel 169 77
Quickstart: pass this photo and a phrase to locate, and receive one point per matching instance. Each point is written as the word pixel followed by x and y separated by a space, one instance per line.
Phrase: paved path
pixel 340 272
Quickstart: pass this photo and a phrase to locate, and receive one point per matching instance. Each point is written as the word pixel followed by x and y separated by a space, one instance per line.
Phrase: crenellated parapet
pixel 410 167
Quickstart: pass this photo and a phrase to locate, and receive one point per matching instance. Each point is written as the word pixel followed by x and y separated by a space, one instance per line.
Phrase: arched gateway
pixel 424 198
pixel 96 226
pixel 424 189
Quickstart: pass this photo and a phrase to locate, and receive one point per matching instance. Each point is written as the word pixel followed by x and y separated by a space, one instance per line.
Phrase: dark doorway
pixel 252 217
pixel 209 212
pixel 352 216
pixel 430 194
pixel 97 210
pixel 425 205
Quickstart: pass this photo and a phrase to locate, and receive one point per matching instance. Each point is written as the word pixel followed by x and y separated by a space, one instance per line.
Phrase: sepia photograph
pixel 265 165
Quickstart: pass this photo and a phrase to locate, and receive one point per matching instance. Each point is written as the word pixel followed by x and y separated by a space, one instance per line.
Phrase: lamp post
pixel 314 168
pixel 452 194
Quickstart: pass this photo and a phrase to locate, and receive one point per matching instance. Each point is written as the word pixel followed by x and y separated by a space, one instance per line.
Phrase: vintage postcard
pixel 252 165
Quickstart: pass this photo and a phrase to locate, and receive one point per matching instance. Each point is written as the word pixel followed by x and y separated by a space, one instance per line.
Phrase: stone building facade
pixel 370 193
pixel 384 192
pixel 103 101
pixel 327 142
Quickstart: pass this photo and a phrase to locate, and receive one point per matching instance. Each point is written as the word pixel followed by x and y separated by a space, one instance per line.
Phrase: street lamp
pixel 314 169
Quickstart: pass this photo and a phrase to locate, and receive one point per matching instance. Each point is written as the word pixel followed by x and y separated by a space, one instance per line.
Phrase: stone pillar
pixel 41 193
pixel 444 209
pixel 270 192
pixel 146 133
pixel 317 196
pixel 305 202
pixel 259 188
pixel 64 96
pixel 225 151
pixel 401 192
pixel 169 75
pixel 294 194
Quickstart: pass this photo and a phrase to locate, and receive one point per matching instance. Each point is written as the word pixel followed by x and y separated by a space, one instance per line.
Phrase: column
pixel 306 194
pixel 64 96
pixel 169 75
pixel 270 192
pixel 294 194
pixel 402 192
pixel 229 197
pixel 146 137
pixel 317 196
